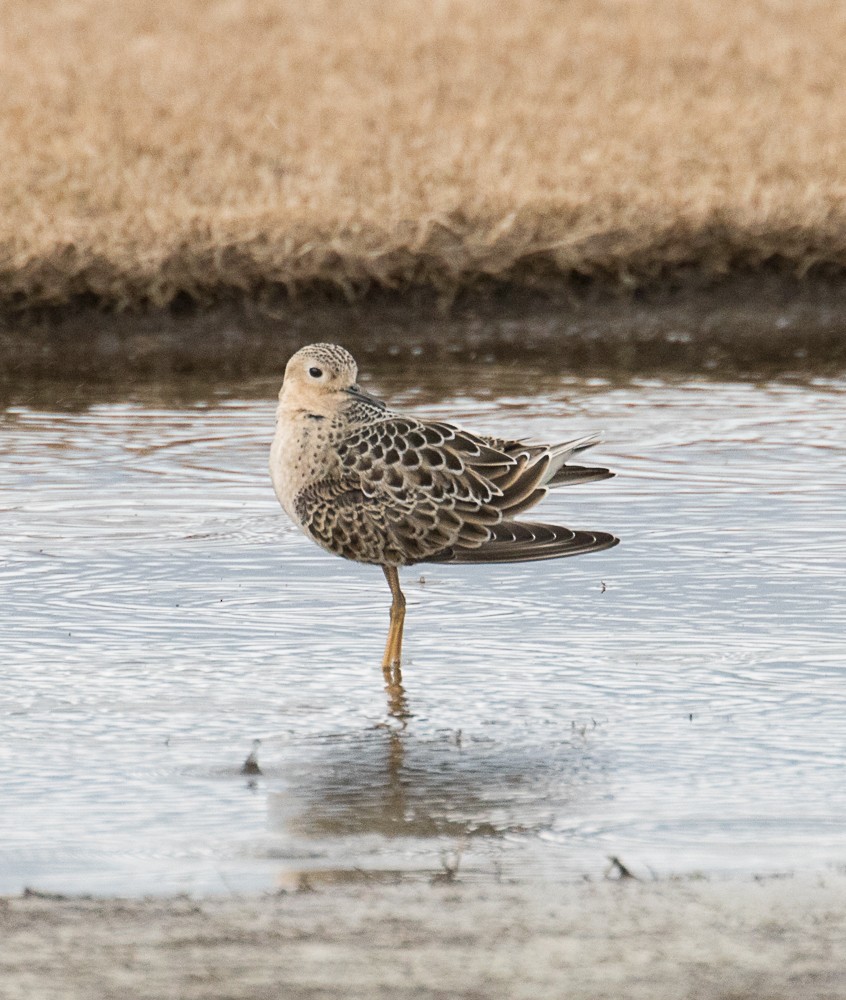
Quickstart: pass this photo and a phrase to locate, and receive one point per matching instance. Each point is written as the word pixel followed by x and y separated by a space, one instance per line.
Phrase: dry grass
pixel 205 146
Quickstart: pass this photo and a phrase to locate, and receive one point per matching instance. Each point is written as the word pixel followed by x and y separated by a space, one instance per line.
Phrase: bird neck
pixel 297 402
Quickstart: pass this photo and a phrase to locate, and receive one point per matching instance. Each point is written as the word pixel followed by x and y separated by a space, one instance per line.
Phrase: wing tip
pixel 561 545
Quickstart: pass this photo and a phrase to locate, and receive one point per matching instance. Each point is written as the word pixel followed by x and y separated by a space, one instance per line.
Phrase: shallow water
pixel 678 701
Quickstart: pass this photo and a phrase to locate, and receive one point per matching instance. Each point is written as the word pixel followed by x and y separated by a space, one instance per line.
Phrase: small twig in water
pixel 38 894
pixel 617 865
pixel 250 765
pixel 450 872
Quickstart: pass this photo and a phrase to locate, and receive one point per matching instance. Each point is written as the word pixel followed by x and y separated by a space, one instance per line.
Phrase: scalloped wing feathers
pixel 402 491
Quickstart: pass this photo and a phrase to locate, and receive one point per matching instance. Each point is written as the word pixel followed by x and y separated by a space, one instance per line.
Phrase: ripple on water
pixel 678 700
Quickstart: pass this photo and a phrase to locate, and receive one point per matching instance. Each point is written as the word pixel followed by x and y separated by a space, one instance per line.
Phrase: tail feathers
pixel 517 541
pixel 575 475
pixel 563 452
pixel 570 448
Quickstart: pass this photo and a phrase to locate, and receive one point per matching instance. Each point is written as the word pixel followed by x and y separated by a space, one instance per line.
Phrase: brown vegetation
pixel 216 148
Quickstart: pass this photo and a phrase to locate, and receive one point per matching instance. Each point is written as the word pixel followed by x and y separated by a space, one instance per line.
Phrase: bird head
pixel 319 378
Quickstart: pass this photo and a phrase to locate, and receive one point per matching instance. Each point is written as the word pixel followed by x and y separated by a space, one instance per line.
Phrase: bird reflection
pixel 392 782
pixel 397 701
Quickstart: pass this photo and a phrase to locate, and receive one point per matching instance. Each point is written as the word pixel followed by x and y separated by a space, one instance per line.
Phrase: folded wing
pixel 408 491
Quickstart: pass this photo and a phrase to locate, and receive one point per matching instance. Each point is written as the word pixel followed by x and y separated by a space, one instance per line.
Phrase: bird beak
pixel 358 393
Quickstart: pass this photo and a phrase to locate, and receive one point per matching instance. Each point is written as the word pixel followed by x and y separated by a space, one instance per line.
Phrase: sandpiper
pixel 381 487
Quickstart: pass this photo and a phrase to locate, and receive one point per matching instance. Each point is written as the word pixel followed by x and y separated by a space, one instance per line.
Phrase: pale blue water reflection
pixel 678 701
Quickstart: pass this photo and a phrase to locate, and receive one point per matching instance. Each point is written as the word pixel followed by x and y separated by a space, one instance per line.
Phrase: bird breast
pixel 299 456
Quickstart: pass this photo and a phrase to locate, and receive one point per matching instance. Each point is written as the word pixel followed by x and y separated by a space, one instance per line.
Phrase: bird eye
pixel 315 372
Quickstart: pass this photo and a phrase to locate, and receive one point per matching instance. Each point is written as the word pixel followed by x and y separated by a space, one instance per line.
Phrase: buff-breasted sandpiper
pixel 381 487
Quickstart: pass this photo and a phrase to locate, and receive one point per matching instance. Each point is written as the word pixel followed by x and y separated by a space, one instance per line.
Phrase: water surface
pixel 677 701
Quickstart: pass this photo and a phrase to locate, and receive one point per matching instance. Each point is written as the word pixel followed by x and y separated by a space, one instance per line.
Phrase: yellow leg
pixel 393 647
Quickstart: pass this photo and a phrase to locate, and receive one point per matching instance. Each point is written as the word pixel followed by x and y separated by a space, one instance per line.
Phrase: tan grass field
pixel 212 147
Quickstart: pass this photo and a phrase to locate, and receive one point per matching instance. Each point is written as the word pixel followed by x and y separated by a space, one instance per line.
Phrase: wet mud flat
pixel 779 939
pixel 765 321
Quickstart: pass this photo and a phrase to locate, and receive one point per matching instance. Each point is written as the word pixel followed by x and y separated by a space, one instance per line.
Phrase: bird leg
pixel 393 647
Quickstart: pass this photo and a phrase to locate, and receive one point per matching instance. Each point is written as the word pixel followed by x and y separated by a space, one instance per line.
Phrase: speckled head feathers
pixel 318 371
pixel 333 361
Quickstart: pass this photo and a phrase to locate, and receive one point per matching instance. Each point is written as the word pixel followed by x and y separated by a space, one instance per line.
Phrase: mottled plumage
pixel 381 487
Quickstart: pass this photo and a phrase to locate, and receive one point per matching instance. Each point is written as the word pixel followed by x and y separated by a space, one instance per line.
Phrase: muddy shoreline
pixel 779 939
pixel 745 323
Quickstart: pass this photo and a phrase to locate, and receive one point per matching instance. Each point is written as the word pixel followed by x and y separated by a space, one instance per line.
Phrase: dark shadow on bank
pixel 766 320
